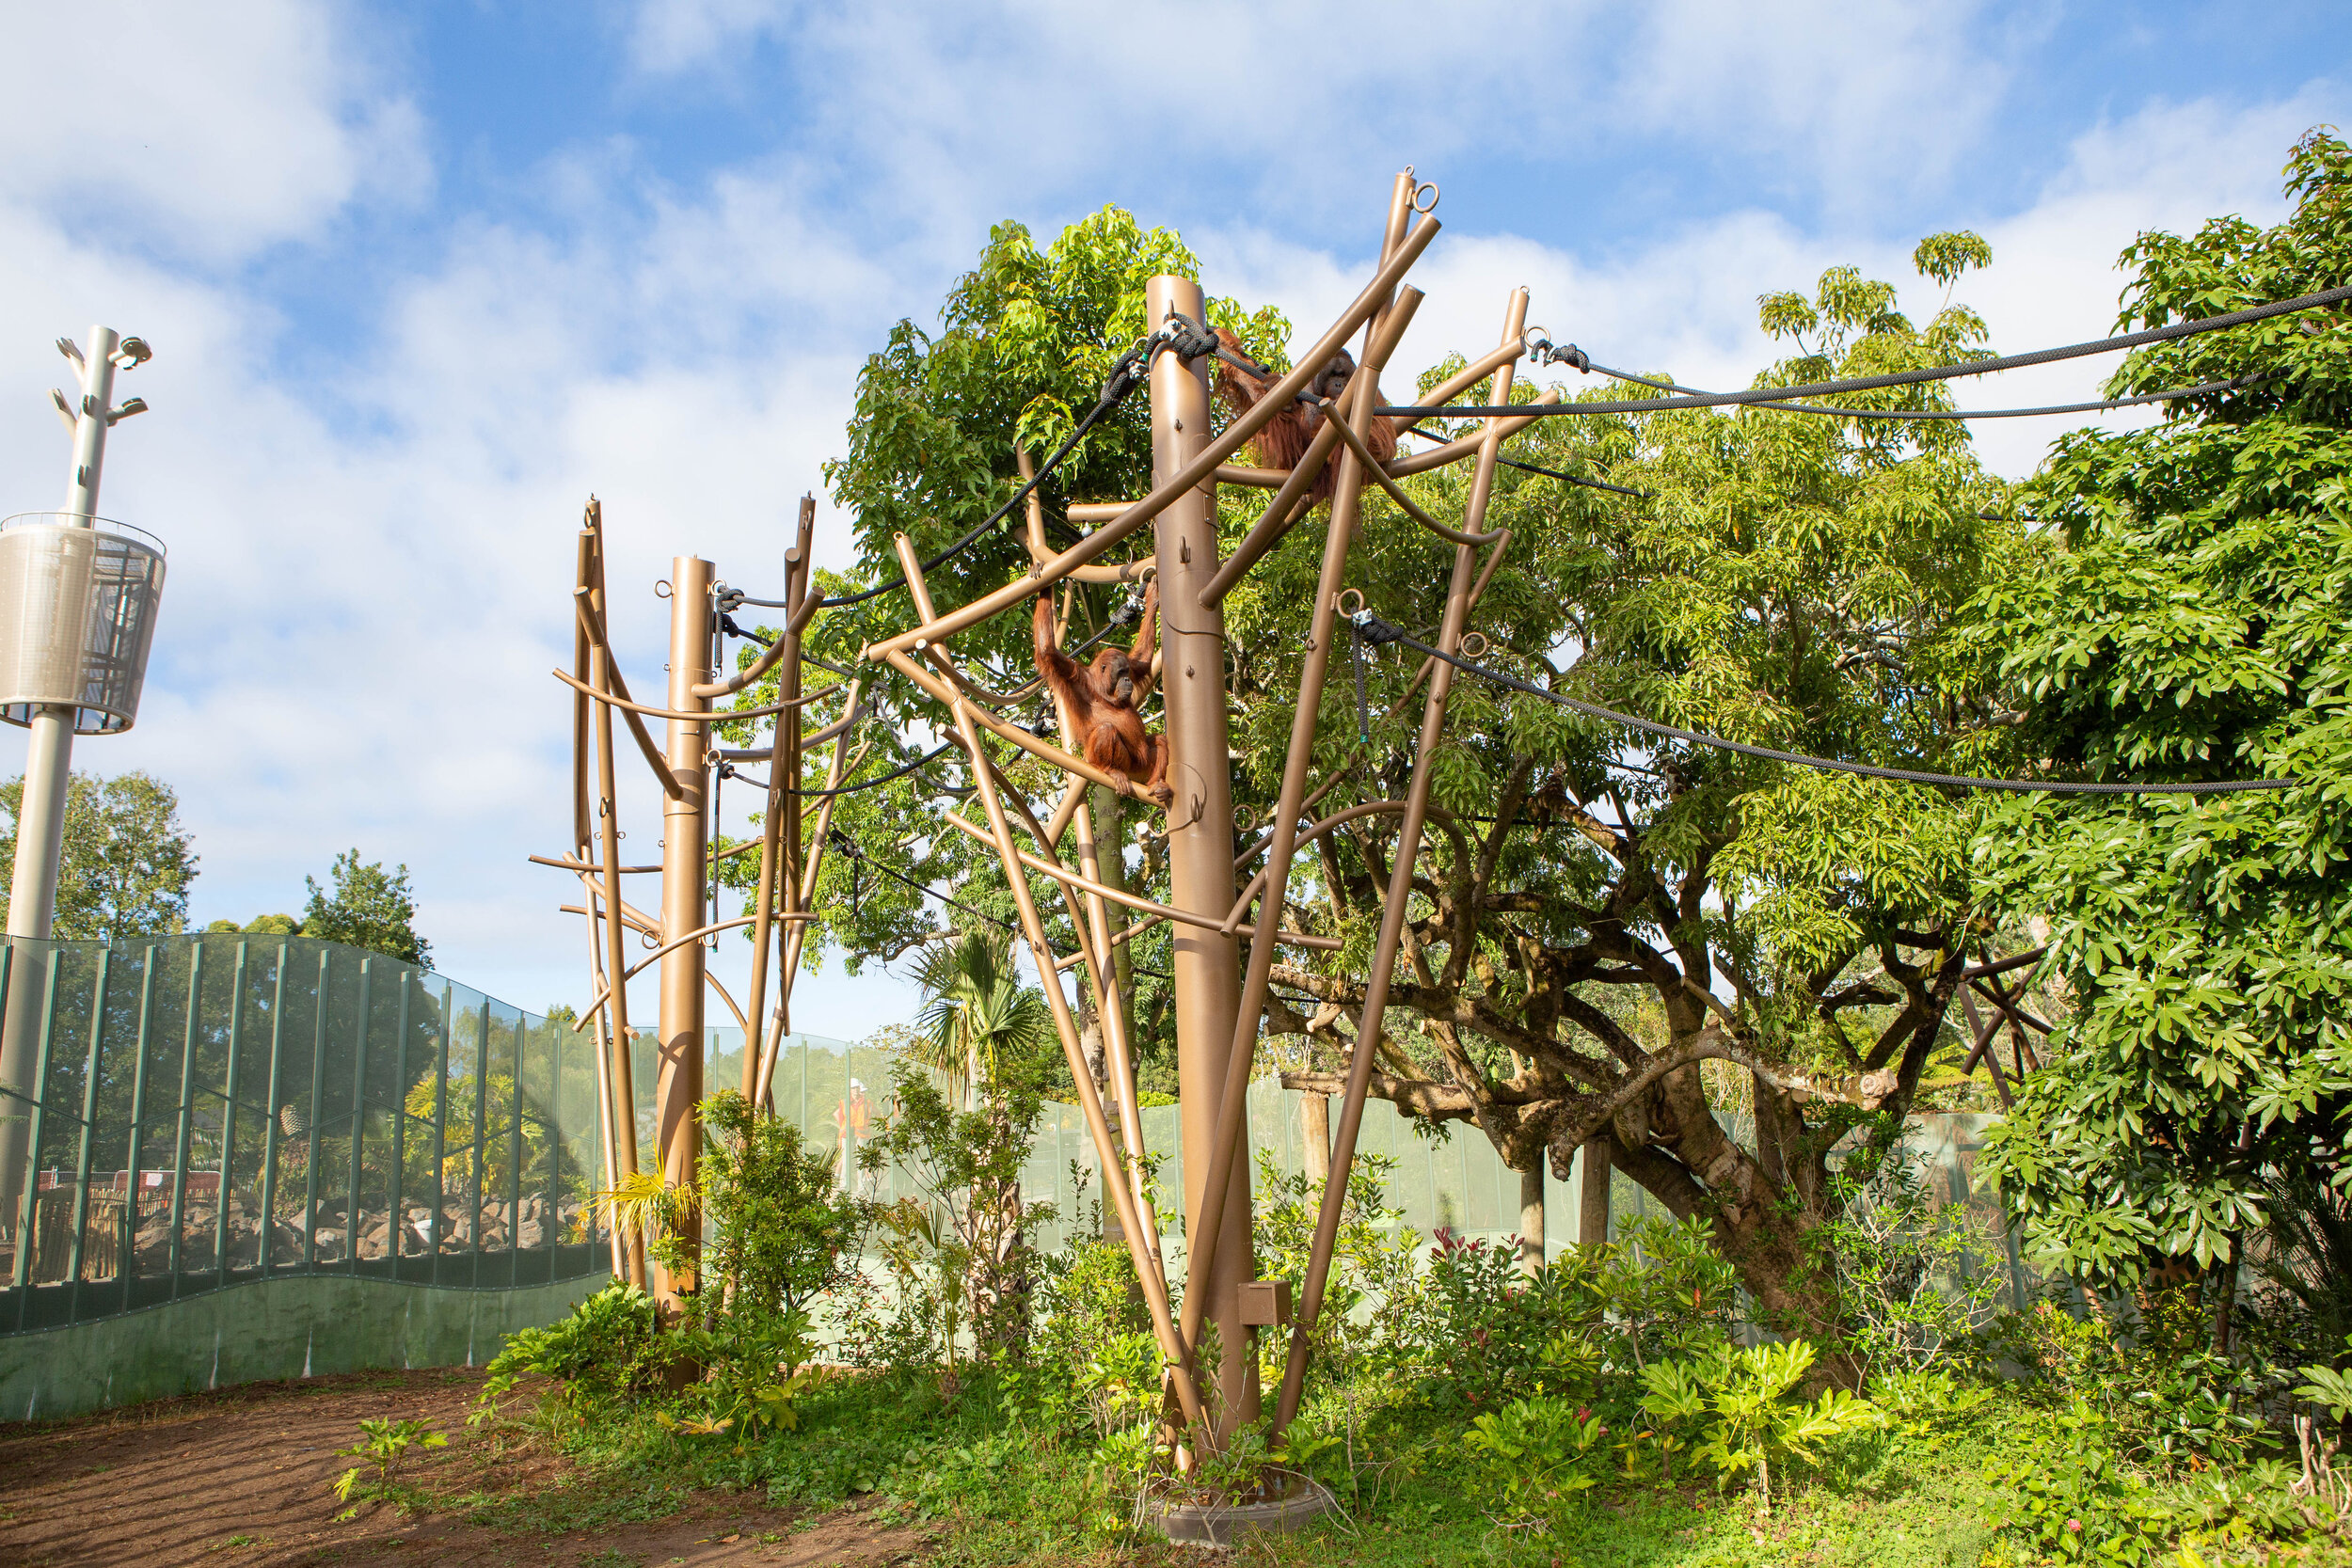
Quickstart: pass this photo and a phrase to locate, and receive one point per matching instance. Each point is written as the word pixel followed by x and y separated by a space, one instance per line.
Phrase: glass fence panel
pixel 201 1110
pixel 191 1111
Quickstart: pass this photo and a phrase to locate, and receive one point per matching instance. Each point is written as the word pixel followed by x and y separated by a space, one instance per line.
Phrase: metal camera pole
pixel 76 615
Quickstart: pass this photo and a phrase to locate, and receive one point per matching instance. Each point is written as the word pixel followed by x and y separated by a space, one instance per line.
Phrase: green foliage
pixel 778 1231
pixel 126 863
pixel 1480 1329
pixel 366 906
pixel 1911 1273
pixel 382 1445
pixel 2192 629
pixel 975 1008
pixel 961 1251
pixel 1548 1451
pixel 1747 1393
pixel 2064 1491
pixel 605 1351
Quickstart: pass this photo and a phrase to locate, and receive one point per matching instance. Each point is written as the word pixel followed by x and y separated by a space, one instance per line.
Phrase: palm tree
pixel 976 1010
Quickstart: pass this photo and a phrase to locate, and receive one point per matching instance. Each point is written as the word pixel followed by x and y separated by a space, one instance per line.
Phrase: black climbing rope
pixel 848 846
pixel 1373 630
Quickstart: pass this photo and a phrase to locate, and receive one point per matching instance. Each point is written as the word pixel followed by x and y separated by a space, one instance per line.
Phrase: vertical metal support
pixel 440 1127
pixel 134 1157
pixel 620 1071
pixel 684 867
pixel 187 1108
pixel 479 1164
pixel 359 1123
pixel 396 1200
pixel 310 1153
pixel 228 1119
pixel 780 823
pixel 1206 965
pixel 1399 893
pixel 49 761
pixel 1226 1149
pixel 554 1115
pixel 89 1129
pixel 28 1239
pixel 515 1160
pixel 270 1113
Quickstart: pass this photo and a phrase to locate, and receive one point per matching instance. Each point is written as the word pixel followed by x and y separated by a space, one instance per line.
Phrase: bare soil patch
pixel 244 1475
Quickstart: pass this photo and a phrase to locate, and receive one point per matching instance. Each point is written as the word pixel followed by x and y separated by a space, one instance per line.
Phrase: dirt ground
pixel 244 1475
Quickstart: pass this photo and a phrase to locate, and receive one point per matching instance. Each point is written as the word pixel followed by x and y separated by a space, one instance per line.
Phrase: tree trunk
pixel 1592 1208
pixel 1314 1117
pixel 1532 1217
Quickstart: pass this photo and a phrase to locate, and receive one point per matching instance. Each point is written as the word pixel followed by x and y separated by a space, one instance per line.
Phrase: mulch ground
pixel 244 1475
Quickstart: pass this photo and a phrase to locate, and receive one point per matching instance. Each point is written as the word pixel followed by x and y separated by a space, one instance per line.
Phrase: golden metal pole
pixel 1223 1146
pixel 624 1085
pixel 1091 1103
pixel 604 1075
pixel 796 934
pixel 783 772
pixel 1200 849
pixel 1400 893
pixel 1155 1283
pixel 678 1087
pixel 1112 978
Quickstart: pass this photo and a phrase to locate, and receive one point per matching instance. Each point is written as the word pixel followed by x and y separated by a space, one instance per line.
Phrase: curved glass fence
pixel 183 1113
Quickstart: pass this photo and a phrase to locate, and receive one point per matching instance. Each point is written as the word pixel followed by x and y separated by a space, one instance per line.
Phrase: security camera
pixel 132 352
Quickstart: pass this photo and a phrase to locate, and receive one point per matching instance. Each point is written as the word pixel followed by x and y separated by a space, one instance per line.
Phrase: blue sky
pixel 419 278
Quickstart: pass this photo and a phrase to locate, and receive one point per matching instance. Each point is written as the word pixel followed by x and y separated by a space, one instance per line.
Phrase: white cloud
pixel 217 129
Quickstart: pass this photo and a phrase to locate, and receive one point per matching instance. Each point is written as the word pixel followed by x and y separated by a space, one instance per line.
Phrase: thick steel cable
pixel 884 779
pixel 1534 469
pixel 848 846
pixel 2233 385
pixel 1371 630
pixel 1898 378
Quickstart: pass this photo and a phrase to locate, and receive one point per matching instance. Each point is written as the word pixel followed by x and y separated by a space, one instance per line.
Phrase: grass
pixel 1007 1491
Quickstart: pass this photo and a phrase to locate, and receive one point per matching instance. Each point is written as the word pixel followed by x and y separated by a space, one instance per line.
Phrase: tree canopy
pixel 127 863
pixel 1615 936
pixel 366 906
pixel 2193 627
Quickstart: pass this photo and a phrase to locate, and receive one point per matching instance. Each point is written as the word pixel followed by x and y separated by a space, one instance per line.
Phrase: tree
pixel 127 861
pixel 369 907
pixel 2193 628
pixel 1027 340
pixel 976 1010
pixel 260 924
pixel 1593 921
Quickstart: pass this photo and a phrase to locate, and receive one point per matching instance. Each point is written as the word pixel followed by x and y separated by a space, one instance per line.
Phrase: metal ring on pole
pixel 1425 209
pixel 1345 593
pixel 1477 636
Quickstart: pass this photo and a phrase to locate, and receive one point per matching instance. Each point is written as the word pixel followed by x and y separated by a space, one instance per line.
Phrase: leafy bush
pixel 606 1349
pixel 778 1231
